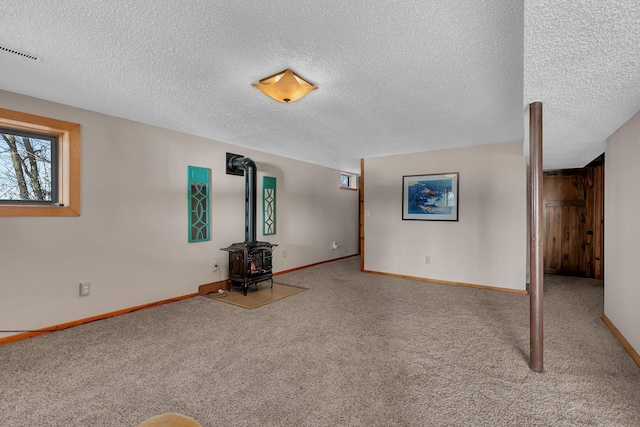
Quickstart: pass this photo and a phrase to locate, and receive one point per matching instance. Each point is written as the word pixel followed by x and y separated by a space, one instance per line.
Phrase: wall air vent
pixel 18 53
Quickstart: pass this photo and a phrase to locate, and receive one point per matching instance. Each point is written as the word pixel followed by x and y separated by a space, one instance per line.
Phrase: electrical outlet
pixel 284 253
pixel 214 267
pixel 85 289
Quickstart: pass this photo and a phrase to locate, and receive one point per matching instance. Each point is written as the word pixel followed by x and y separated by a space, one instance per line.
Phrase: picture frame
pixel 430 197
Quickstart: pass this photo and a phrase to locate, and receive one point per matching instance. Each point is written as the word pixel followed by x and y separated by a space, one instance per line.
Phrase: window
pixel 39 166
pixel 27 161
pixel 348 181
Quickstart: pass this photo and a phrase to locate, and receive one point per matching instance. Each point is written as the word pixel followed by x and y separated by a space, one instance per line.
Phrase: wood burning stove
pixel 250 262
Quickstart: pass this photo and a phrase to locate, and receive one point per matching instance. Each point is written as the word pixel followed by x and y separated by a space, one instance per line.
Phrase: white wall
pixel 131 240
pixel 486 246
pixel 622 234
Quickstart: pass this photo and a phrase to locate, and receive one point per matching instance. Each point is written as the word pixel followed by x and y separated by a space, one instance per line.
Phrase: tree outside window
pixel 28 167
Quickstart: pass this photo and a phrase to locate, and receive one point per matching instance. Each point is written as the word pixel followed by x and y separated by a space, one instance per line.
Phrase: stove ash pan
pixel 249 264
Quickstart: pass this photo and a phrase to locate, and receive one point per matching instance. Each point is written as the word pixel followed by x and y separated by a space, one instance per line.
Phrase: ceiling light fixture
pixel 285 86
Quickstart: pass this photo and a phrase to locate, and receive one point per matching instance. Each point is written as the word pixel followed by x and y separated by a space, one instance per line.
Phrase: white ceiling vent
pixel 18 53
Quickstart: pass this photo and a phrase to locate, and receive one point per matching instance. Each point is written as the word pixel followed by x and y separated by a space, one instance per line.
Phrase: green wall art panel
pixel 199 204
pixel 268 206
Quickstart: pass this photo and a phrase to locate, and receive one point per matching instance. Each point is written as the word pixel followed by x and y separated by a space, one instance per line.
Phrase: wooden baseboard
pixel 315 263
pixel 202 290
pixel 634 354
pixel 47 330
pixel 446 282
pixel 213 287
pixel 224 285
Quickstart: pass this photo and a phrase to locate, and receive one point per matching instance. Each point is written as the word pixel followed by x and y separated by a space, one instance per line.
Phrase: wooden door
pixel 570 214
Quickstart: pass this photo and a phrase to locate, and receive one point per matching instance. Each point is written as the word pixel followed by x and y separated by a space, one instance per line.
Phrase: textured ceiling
pixel 394 77
pixel 582 60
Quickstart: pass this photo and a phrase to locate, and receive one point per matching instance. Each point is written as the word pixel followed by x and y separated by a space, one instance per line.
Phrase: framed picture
pixel 430 197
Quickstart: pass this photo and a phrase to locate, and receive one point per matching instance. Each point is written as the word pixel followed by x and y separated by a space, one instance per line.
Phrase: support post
pixel 536 278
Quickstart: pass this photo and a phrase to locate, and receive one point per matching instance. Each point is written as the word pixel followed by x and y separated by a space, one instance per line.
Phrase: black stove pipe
pixel 250 179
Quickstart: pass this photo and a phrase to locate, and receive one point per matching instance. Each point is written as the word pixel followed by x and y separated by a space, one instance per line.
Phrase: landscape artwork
pixel 432 197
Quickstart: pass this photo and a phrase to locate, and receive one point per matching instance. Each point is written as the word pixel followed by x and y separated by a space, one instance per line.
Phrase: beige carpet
pixel 357 350
pixel 257 296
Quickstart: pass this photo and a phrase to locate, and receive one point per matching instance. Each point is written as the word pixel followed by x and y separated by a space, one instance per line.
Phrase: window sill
pixel 19 210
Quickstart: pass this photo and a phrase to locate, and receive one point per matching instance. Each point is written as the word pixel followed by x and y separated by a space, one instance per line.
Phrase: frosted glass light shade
pixel 285 86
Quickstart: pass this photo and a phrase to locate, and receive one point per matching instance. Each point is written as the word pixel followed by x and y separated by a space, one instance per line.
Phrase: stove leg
pixel 245 289
pixel 272 283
